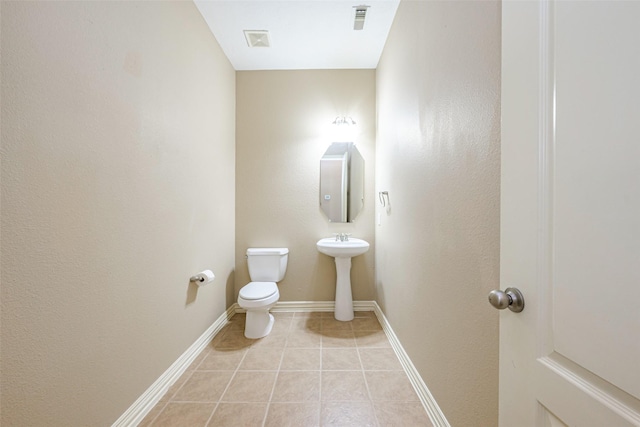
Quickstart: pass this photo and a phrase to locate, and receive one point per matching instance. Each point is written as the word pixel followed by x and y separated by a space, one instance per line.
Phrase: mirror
pixel 342 182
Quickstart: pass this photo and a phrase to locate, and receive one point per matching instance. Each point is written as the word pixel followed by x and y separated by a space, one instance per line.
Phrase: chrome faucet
pixel 342 237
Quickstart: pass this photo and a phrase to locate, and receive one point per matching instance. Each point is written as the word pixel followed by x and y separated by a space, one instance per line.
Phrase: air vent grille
pixel 257 38
pixel 361 13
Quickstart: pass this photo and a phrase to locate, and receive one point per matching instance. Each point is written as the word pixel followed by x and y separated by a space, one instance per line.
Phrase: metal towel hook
pixel 384 198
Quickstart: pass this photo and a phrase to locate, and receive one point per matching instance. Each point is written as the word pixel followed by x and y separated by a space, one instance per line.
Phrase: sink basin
pixel 343 252
pixel 337 249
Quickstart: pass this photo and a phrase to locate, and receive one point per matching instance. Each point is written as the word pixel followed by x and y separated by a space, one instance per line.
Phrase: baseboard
pixel 141 407
pixel 305 306
pixel 430 405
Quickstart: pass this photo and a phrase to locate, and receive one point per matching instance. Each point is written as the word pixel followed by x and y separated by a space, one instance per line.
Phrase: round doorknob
pixel 511 297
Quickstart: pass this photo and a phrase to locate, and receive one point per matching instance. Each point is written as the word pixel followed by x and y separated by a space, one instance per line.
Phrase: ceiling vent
pixel 257 38
pixel 361 12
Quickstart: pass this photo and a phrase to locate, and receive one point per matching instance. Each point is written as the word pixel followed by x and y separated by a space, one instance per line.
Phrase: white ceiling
pixel 304 34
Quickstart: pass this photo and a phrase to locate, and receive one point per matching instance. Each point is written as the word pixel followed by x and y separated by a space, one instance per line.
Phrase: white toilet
pixel 266 267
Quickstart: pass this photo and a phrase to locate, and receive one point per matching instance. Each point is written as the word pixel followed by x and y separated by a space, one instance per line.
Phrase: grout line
pixel 228 384
pixel 212 412
pixel 190 374
pixel 320 393
pixel 321 371
pixel 366 384
pixel 359 348
pixel 158 414
pixel 273 388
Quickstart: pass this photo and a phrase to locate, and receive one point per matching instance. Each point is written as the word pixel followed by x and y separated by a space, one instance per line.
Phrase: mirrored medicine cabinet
pixel 342 182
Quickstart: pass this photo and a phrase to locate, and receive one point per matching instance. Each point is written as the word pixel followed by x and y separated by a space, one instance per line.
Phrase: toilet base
pixel 258 324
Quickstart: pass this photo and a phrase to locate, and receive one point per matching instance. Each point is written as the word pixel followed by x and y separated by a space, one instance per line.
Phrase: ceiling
pixel 303 34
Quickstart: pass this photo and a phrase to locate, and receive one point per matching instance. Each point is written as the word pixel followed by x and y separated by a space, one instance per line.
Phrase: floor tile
pixel 371 339
pixel 197 361
pixel 281 325
pixel 184 414
pixel 366 324
pixel 151 416
pixel 237 322
pixel 203 386
pixel 233 339
pixel 346 414
pixel 401 414
pixel 297 386
pixel 343 385
pixel 175 387
pixel 340 359
pixel 235 326
pixel 222 360
pixel 238 414
pixel 313 324
pixel 338 339
pixel 328 314
pixel 379 359
pixel 283 314
pixel 390 386
pixel 262 359
pixel 329 324
pixel 274 339
pixel 302 339
pixel 250 386
pixel 307 314
pixel 297 414
pixel 300 359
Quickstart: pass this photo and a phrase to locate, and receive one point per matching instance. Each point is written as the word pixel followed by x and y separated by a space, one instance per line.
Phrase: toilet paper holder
pixel 203 278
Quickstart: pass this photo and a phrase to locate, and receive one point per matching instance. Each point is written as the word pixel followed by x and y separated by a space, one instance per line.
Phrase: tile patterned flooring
pixel 311 370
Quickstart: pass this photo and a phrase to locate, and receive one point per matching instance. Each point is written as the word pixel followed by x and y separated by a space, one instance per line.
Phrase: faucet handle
pixel 346 236
pixel 337 236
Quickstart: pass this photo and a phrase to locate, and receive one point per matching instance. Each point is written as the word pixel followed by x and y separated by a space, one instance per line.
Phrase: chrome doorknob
pixel 511 297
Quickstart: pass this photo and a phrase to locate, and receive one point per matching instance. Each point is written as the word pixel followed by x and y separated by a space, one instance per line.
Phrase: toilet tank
pixel 267 264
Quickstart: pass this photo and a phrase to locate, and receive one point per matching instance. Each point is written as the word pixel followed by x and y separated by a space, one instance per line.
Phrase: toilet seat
pixel 258 290
pixel 258 295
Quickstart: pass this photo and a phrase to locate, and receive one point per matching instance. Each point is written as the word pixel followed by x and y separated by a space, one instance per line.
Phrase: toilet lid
pixel 258 290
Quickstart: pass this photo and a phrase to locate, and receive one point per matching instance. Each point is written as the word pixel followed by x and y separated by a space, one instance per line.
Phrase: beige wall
pixel 283 128
pixel 117 185
pixel 437 250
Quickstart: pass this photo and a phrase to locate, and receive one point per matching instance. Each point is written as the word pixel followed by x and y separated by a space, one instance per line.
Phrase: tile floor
pixel 311 370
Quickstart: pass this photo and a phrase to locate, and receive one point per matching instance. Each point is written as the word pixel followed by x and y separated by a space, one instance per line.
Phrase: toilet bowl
pixel 258 298
pixel 266 267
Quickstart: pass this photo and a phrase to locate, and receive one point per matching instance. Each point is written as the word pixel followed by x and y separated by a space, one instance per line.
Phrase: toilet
pixel 266 267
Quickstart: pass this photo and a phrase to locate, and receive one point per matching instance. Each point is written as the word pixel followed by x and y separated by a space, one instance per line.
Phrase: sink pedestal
pixel 342 251
pixel 344 299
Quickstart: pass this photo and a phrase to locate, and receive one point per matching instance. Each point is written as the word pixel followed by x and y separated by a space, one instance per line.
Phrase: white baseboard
pixel 430 405
pixel 141 407
pixel 305 306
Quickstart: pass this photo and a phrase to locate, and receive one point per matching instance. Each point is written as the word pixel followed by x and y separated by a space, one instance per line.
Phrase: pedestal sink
pixel 343 251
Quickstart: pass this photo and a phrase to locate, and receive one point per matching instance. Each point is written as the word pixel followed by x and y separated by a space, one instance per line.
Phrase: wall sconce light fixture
pixel 343 120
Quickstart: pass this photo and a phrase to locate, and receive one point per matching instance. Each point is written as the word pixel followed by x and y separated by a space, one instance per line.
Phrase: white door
pixel 570 231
